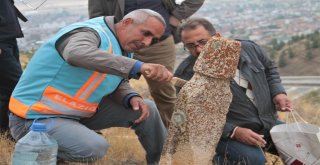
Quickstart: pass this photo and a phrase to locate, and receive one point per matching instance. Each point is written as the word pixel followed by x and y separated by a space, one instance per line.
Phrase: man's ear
pixel 127 21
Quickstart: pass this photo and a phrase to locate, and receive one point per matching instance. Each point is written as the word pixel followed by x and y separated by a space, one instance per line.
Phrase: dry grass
pixel 125 149
pixel 309 107
pixel 141 86
pixel 6 149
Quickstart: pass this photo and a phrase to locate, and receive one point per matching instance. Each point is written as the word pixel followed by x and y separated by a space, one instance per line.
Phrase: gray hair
pixel 139 16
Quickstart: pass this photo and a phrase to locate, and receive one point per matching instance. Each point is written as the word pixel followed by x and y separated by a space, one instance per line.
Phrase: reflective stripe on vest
pixel 62 103
pixel 64 90
pixel 90 85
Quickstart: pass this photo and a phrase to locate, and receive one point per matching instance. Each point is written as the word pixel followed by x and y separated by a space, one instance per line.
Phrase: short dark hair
pixel 192 23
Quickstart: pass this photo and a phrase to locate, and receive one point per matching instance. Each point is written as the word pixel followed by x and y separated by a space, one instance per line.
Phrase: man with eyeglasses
pixel 194 40
pixel 257 95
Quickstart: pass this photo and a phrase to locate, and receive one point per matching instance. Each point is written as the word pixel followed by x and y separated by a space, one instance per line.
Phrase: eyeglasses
pixel 193 46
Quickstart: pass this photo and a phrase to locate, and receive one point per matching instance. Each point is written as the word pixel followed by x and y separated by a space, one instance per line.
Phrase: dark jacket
pixel 116 8
pixel 185 69
pixel 9 24
pixel 265 80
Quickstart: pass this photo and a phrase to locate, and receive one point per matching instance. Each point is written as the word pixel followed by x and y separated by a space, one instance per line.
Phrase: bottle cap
pixel 38 127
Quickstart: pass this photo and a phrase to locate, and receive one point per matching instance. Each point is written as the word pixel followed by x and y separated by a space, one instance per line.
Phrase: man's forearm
pixel 81 49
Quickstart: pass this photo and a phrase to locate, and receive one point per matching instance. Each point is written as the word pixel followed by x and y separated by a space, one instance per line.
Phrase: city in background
pixel 273 24
pixel 257 20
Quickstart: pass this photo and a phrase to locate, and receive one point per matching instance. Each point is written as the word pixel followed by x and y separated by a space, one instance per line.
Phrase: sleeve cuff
pixel 127 98
pixel 233 132
pixel 135 71
pixel 277 89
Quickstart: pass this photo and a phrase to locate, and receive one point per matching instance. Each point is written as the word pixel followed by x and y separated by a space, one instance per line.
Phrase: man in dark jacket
pixel 161 51
pixel 257 95
pixel 10 68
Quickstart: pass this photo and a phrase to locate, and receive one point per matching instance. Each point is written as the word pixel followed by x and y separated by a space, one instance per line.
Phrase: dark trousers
pixel 10 71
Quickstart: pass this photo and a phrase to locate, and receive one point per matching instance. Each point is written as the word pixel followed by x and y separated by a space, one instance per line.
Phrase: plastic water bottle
pixel 36 148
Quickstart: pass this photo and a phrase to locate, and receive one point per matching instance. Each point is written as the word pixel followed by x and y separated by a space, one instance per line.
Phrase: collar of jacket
pixel 111 21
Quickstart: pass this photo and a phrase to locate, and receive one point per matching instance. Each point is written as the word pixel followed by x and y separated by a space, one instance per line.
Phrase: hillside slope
pixel 298 57
pixel 299 65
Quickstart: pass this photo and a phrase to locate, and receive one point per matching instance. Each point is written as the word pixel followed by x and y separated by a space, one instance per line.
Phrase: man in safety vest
pixel 77 82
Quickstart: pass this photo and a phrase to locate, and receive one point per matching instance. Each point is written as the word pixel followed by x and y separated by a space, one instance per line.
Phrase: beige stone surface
pixel 202 105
